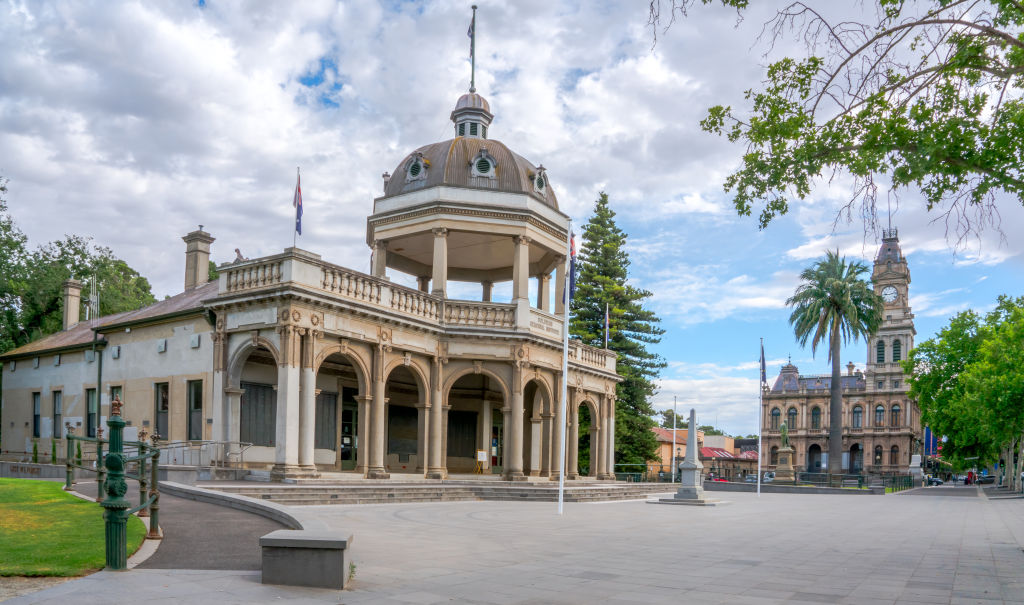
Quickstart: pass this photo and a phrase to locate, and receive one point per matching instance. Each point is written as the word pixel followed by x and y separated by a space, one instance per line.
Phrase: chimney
pixel 849 369
pixel 197 258
pixel 72 302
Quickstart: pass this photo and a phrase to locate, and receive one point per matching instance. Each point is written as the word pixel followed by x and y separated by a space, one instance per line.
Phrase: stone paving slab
pixel 774 548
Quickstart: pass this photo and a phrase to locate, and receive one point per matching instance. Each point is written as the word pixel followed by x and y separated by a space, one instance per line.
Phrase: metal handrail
pixel 189 449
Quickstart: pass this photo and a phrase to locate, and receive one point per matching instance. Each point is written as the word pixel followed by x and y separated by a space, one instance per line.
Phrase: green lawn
pixel 47 532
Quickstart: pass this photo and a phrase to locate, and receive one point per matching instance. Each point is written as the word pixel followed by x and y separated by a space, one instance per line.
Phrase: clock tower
pixel 895 336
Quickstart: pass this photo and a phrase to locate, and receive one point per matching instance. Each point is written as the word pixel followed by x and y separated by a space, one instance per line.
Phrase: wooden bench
pixel 295 557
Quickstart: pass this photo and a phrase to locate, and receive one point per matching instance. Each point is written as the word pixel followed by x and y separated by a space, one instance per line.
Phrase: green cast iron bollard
pixel 69 474
pixel 154 492
pixel 101 473
pixel 143 479
pixel 115 505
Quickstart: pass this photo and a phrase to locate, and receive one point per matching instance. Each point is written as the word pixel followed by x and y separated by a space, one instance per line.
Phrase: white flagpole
pixel 760 404
pixel 565 364
pixel 672 454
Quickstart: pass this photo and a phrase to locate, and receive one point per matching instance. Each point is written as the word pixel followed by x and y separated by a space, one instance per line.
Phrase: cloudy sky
pixel 134 122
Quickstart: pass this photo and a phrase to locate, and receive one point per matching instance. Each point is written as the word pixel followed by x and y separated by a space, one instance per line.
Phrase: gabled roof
pixel 715 452
pixel 81 334
pixel 665 435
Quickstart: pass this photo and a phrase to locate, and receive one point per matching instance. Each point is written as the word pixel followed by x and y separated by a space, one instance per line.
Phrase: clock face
pixel 889 294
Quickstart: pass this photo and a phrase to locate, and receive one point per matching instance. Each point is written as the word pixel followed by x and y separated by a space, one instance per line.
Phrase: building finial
pixel 472 51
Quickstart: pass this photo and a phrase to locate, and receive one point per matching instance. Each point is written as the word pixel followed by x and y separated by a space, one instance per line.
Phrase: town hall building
pixel 295 365
pixel 881 425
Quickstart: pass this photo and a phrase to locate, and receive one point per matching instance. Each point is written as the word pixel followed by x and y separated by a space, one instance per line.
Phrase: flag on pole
pixel 572 267
pixel 471 32
pixel 297 202
pixel 764 374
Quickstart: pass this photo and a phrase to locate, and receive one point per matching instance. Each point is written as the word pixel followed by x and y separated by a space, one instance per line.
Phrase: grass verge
pixel 47 532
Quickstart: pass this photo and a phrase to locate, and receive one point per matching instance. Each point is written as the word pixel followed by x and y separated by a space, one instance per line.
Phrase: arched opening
pixel 475 423
pixel 815 417
pixel 878 455
pixel 880 352
pixel 894 415
pixel 535 406
pixel 405 422
pixel 255 420
pixel 791 419
pixel 879 415
pixel 585 462
pixel 894 455
pixel 336 433
pixel 856 458
pixel 814 458
pixel 858 417
pixel 776 414
pixel 897 350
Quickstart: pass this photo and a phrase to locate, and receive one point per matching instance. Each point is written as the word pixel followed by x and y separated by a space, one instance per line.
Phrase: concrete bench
pixel 305 558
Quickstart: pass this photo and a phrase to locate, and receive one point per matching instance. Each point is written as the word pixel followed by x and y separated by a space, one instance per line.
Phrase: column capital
pixel 440 232
pixel 522 239
pixel 380 243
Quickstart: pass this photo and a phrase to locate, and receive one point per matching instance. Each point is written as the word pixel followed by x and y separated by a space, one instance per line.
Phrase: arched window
pixel 775 419
pixel 858 417
pixel 894 415
pixel 791 418
pixel 880 352
pixel 880 415
pixel 896 350
pixel 878 454
pixel 774 455
pixel 816 417
pixel 894 455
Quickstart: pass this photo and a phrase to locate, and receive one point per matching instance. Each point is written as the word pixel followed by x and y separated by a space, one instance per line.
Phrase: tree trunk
pixel 835 410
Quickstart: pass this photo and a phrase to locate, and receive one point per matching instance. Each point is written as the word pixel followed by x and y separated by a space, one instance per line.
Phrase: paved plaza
pixel 905 548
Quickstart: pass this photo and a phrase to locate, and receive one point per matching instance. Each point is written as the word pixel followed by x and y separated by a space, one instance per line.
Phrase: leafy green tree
pixel 926 94
pixel 833 301
pixel 13 255
pixel 603 267
pixel 666 420
pixel 710 430
pixel 213 274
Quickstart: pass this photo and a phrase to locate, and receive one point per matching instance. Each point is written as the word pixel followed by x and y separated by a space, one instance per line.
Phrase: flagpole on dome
pixel 568 289
pixel 472 51
pixel 297 203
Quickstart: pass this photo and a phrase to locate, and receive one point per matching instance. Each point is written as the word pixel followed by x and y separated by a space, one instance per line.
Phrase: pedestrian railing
pixel 205 453
pixel 112 472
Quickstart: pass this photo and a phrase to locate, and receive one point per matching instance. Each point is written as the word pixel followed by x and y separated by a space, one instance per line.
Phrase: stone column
pixel 691 480
pixel 423 435
pixel 521 269
pixel 572 449
pixel 610 444
pixel 439 273
pixel 487 287
pixel 232 412
pixel 544 292
pixel 380 258
pixel 600 458
pixel 536 446
pixel 307 407
pixel 218 407
pixel 363 434
pixel 557 431
pixel 423 283
pixel 545 440
pixel 560 287
pixel 444 436
pixel 435 466
pixel 514 459
pixel 286 450
pixel 485 431
pixel 378 419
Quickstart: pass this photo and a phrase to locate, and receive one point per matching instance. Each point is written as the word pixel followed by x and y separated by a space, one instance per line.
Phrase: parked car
pixel 719 479
pixel 934 481
pixel 750 479
pixel 769 476
pixel 985 479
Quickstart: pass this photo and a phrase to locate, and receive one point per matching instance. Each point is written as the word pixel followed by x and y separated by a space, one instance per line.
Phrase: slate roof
pixel 791 381
pixel 81 333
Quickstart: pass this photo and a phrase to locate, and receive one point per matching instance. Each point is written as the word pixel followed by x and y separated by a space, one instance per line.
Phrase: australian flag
pixel 764 374
pixel 297 202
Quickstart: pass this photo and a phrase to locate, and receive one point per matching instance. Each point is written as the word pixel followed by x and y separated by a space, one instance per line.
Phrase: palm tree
pixel 834 301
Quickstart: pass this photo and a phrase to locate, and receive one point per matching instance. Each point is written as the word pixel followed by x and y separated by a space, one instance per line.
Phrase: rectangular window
pixel 58 414
pixel 472 129
pixel 91 413
pixel 258 414
pixel 161 403
pixel 881 384
pixel 462 129
pixel 115 393
pixel 36 413
pixel 895 384
pixel 484 131
pixel 195 409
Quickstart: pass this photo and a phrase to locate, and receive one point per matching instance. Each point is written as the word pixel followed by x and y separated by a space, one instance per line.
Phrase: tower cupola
pixel 472 115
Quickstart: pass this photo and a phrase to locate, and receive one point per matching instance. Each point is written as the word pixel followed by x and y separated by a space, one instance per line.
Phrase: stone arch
pixel 536 426
pixel 352 356
pixel 450 381
pixel 420 374
pixel 237 360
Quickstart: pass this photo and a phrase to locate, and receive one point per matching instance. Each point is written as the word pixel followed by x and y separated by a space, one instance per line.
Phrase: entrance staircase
pixel 454 491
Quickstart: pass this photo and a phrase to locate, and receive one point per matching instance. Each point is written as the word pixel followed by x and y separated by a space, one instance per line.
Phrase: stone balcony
pixel 306 273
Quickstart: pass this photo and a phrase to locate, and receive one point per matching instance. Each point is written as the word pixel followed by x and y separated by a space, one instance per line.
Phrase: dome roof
pixel 470 162
pixel 474 101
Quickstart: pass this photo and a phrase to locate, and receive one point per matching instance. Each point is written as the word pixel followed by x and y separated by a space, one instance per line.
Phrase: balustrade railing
pixel 255 275
pixel 491 315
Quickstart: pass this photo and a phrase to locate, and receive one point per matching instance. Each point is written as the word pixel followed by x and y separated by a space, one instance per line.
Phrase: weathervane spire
pixel 472 51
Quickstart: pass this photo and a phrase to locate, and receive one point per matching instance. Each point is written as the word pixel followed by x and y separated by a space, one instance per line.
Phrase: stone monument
pixel 784 469
pixel 691 479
